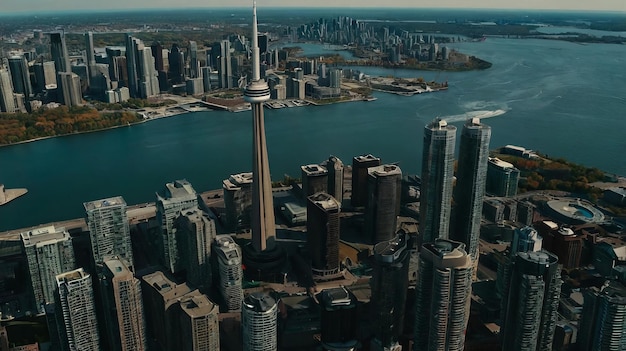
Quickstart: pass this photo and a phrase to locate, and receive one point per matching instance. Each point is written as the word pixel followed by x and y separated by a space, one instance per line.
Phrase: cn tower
pixel 263 226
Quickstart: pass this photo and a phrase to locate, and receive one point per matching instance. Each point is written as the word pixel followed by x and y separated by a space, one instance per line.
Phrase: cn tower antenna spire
pixel 256 75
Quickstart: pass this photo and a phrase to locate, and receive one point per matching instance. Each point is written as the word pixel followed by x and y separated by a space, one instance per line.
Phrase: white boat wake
pixel 482 114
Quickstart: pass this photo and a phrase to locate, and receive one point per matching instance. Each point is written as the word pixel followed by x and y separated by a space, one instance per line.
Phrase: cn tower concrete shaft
pixel 257 92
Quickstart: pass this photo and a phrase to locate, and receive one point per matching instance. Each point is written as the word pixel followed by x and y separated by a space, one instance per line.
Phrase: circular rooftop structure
pixel 575 211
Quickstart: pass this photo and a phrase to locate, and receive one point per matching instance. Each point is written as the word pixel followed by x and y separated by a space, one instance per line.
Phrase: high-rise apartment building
pixel 237 191
pixel 228 257
pixel 322 229
pixel 7 101
pixel 91 55
pixel 335 178
pixel 470 185
pixel 314 179
pixel 360 164
pixel 58 51
pixel 123 307
pixel 49 253
pixel 502 178
pixel 389 289
pixel 195 233
pixel 603 321
pixel 174 198
pixel 109 229
pixel 383 202
pixel 160 299
pixel 339 319
pixel 532 300
pixel 76 312
pixel 199 324
pixel 259 322
pixel 442 296
pixel 437 177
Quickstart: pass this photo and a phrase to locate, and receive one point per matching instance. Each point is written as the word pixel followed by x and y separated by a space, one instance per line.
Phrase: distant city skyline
pixel 25 6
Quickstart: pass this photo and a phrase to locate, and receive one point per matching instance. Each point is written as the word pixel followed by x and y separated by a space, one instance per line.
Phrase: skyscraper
pixel 44 74
pixel 131 66
pixel 502 178
pixel 199 324
pixel 160 299
pixel 259 322
pixel 20 76
pixel 195 233
pixel 322 229
pixel 360 164
pixel 389 288
pixel 58 51
pixel 109 229
pixel 314 179
pixel 123 307
pixel 7 101
pixel 225 66
pixel 237 191
pixel 176 60
pixel 228 257
pixel 442 296
pixel 194 64
pixel 175 197
pixel 604 318
pixel 383 202
pixel 91 57
pixel 470 185
pixel 335 178
pixel 148 78
pixel 49 253
pixel 530 316
pixel 437 176
pixel 339 320
pixel 69 89
pixel 76 312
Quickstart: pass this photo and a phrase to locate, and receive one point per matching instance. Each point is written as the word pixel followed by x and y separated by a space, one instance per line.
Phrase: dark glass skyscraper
pixel 437 176
pixel 58 51
pixel 470 184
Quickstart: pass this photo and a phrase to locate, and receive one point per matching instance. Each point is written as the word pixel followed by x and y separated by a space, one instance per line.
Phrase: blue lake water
pixel 592 32
pixel 563 99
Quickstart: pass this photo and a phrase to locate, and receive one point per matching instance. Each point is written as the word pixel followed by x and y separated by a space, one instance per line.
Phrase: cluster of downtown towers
pixel 178 316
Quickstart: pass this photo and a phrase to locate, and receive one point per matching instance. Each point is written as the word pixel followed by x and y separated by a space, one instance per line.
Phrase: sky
pixel 13 6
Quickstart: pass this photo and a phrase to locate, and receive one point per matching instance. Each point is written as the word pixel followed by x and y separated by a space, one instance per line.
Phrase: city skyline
pixel 37 6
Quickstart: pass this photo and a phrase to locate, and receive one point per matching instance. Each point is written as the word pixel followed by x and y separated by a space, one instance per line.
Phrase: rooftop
pixel 389 251
pixel 364 158
pixel 499 163
pixel 384 170
pixel 198 305
pixel 168 290
pixel 325 201
pixel 178 189
pixel 70 276
pixel 116 201
pixel 446 253
pixel 314 170
pixel 236 181
pixel 44 235
pixel 259 302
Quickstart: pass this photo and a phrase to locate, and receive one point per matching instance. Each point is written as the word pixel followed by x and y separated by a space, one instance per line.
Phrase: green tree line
pixel 16 127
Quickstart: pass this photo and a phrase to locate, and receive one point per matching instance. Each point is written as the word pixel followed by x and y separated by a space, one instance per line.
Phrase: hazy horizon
pixel 42 6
